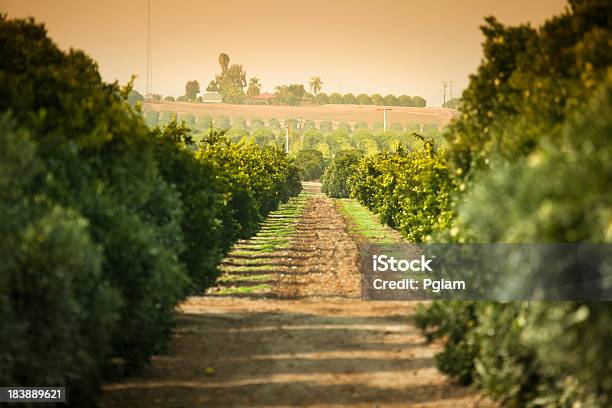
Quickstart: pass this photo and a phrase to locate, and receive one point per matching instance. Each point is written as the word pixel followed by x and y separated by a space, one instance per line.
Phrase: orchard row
pixel 107 224
pixel 528 160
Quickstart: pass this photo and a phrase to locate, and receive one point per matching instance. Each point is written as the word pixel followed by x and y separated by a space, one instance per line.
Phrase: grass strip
pixel 364 224
pixel 242 290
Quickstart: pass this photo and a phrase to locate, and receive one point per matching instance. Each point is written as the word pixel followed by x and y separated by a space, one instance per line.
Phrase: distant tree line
pixel 232 81
pixel 375 99
pixel 453 103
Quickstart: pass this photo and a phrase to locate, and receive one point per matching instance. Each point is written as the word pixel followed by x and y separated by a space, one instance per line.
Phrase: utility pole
pixel 451 89
pixel 287 139
pixel 384 117
pixel 149 89
pixel 444 86
pixel 300 133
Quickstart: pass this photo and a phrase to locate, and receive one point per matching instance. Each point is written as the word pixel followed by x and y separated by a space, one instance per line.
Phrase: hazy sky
pixel 372 46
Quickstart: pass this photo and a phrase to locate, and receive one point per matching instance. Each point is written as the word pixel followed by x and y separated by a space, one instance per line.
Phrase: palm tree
pixel 254 87
pixel 315 85
pixel 224 60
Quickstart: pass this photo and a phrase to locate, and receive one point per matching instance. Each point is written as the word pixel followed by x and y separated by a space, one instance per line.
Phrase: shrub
pixel 396 127
pixel 134 97
pixel 338 140
pixel 448 320
pixel 335 180
pixel 344 127
pixel 428 127
pixel 292 124
pixel 325 126
pixel 289 94
pixel 377 99
pixel 419 102
pixel 189 120
pixel 274 125
pixel 203 122
pixel 335 98
pixel 453 103
pixel 361 125
pixel 169 98
pixel 324 149
pixel 199 250
pixel 370 147
pixel 410 191
pixel 262 137
pixel 538 106
pixel 192 88
pixel 239 123
pixel 308 125
pixel 308 97
pixel 221 123
pixel 391 100
pixel 251 181
pixel 321 98
pixel 384 138
pixel 413 127
pixel 167 117
pixel 151 118
pixel 349 99
pixel 256 124
pixel 116 221
pixel 312 138
pixel 363 99
pixel 100 160
pixel 359 138
pixel 311 164
pixel 404 100
pixel 53 297
pixel 236 135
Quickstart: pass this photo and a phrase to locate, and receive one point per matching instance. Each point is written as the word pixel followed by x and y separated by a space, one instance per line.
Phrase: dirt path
pixel 327 267
pixel 303 339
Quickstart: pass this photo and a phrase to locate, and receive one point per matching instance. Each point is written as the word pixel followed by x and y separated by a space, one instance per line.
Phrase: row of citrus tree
pixel 106 224
pixel 529 160
pixel 204 122
pixel 322 98
pixel 343 152
pixel 327 140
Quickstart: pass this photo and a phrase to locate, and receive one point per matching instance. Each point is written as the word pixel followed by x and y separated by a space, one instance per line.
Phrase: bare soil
pixel 311 342
pixel 333 113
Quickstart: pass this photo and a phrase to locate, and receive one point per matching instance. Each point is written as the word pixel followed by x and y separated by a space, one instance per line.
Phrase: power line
pixel 149 56
pixel 301 131
pixel 384 117
pixel 286 139
pixel 444 86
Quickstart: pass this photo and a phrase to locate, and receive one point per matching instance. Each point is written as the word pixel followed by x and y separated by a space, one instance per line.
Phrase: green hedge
pixel 151 118
pixel 54 299
pixel 557 353
pixel 251 181
pixel 311 164
pixel 335 181
pixel 528 160
pixel 410 191
pixel 203 123
pixel 108 224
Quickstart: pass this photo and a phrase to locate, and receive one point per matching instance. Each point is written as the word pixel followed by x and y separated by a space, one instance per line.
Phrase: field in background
pixel 333 113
